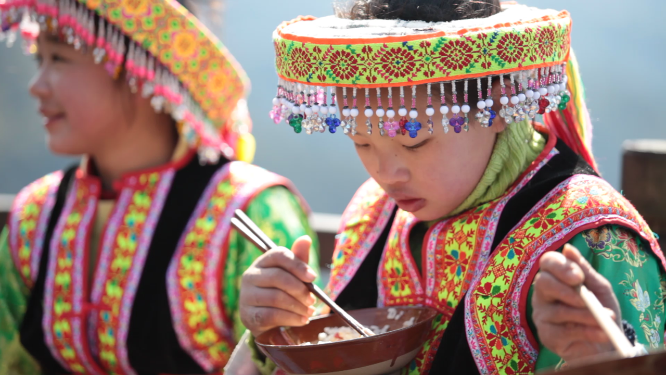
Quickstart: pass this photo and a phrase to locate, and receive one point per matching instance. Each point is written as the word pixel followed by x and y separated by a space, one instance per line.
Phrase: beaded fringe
pixel 110 47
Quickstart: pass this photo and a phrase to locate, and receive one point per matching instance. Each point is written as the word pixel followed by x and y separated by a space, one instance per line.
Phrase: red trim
pixel 424 254
pixel 535 268
pixel 407 38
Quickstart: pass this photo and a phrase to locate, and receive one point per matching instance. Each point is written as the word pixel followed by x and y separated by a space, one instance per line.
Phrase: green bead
pixel 565 98
pixel 562 106
pixel 298 128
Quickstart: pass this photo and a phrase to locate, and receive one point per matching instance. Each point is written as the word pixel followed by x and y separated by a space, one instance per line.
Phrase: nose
pixel 390 170
pixel 39 87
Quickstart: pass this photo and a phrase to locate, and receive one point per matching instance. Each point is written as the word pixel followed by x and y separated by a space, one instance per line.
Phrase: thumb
pixel 301 248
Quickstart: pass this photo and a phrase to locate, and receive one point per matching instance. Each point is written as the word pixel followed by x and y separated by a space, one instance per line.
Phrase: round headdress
pixel 525 48
pixel 165 53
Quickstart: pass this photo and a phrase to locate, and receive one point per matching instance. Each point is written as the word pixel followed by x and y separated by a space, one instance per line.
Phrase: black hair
pixel 419 10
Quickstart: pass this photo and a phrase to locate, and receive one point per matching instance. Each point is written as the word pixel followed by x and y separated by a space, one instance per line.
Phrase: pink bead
pixel 151 75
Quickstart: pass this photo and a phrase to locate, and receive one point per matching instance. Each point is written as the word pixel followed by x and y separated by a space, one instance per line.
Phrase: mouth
pixel 51 118
pixel 408 203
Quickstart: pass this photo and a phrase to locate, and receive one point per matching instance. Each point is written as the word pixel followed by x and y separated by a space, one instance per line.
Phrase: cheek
pixel 90 101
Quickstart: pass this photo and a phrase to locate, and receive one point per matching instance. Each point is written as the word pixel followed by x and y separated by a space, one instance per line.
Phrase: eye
pixel 359 145
pixel 58 58
pixel 418 145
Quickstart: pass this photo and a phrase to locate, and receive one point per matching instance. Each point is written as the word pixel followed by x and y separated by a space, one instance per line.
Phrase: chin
pixel 62 148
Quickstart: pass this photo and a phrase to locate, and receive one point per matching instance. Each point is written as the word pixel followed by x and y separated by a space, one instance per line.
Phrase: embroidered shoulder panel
pixel 28 220
pixel 193 280
pixel 494 313
pixel 363 221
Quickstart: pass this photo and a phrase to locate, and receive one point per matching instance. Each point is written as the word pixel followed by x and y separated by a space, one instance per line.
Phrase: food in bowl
pixel 335 334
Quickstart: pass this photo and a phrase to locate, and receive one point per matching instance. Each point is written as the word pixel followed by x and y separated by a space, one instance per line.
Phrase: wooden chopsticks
pixel 248 229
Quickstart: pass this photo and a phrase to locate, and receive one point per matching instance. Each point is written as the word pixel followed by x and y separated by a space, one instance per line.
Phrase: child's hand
pixel 564 324
pixel 273 292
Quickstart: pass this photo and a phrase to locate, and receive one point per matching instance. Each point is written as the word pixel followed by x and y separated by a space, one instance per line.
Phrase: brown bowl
pixel 375 355
pixel 650 364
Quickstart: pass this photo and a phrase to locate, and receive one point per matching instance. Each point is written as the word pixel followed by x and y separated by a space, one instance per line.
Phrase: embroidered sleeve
pixel 279 214
pixel 638 280
pixel 13 300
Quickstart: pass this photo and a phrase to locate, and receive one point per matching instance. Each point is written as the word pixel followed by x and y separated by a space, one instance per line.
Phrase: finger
pixel 573 332
pixel 548 289
pixel 562 268
pixel 279 279
pixel 301 248
pixel 285 259
pixel 270 297
pixel 265 318
pixel 562 314
pixel 594 281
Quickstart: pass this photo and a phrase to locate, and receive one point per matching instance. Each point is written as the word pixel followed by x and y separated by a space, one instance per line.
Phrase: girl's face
pixel 430 175
pixel 81 103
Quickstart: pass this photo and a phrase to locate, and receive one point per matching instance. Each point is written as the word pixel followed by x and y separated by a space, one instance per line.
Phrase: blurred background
pixel 619 45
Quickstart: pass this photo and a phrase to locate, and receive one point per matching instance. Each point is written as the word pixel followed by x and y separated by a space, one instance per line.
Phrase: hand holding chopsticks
pixel 252 233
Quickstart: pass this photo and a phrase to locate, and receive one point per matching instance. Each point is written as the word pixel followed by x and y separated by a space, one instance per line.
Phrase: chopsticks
pixel 248 229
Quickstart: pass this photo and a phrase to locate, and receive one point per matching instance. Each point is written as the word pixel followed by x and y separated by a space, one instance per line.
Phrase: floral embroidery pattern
pixel 30 214
pixel 496 294
pixel 619 246
pixel 650 313
pixel 444 57
pixel 203 330
pixel 365 219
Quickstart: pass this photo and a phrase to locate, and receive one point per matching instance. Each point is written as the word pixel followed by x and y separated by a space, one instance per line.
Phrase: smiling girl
pixel 469 198
pixel 125 263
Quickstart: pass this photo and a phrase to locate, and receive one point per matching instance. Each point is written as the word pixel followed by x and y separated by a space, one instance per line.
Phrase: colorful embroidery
pixel 619 247
pixel 650 310
pixel 362 223
pixel 29 217
pixel 442 57
pixel 124 250
pixel 193 280
pixel 65 310
pixel 496 329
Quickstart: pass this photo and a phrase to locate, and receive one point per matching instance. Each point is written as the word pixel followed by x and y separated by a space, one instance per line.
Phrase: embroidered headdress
pixel 526 49
pixel 166 54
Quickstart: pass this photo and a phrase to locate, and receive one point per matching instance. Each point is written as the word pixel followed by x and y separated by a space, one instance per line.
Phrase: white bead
pixel 368 112
pixel 515 100
pixel 543 91
pixel 551 89
pixel 504 100
pixel 537 95
pixel 444 109
pixel 284 101
pixel 413 113
pixel 315 108
pixel 276 101
pixel 561 87
pixel 346 112
pixel 402 112
pixel 481 104
pixel 354 112
pixel 323 109
pixel 430 111
pixel 308 111
pixel 465 108
pixel 296 109
pixel 529 93
pixel 522 97
pixel 565 79
pixel 303 108
pixel 489 102
pixel 290 105
pixel 455 108
pixel 333 109
pixel 380 112
pixel 390 113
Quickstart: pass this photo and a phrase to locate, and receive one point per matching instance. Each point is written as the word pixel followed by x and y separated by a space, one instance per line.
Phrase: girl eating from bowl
pixel 470 201
pixel 125 263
